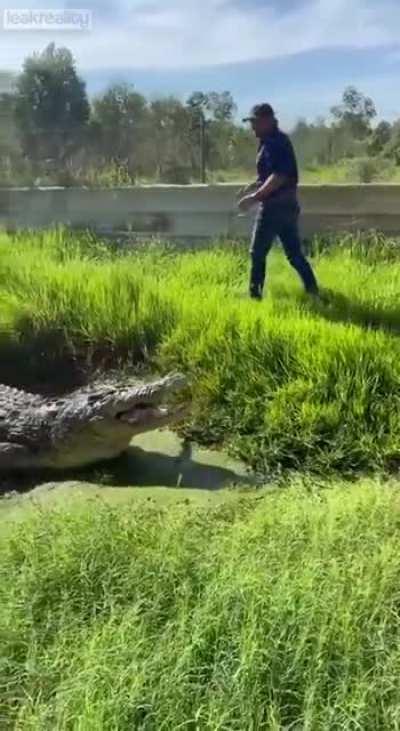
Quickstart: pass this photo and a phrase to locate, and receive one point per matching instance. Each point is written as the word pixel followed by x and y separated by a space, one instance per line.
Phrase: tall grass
pixel 283 383
pixel 268 611
pixel 276 613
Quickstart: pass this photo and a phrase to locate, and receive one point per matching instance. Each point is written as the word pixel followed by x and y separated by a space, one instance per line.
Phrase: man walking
pixel 276 191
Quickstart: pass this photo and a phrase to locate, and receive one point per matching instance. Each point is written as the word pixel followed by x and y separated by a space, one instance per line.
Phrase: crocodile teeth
pixel 135 416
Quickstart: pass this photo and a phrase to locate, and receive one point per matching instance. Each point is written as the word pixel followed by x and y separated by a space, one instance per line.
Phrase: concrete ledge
pixel 194 210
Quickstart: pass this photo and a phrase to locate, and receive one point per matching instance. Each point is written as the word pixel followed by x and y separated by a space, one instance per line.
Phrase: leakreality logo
pixel 18 19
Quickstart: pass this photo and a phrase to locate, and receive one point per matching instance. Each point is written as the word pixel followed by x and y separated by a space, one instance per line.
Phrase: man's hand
pixel 247 189
pixel 247 202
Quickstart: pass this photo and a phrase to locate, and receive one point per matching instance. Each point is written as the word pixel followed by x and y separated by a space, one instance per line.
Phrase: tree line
pixel 50 131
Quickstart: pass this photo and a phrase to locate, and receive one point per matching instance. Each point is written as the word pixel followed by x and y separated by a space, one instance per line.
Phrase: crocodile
pixel 93 424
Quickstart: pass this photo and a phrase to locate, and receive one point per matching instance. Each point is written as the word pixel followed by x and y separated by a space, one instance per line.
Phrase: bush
pixel 370 169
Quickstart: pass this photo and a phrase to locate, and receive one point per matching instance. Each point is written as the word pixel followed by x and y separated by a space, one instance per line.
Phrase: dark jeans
pixel 282 221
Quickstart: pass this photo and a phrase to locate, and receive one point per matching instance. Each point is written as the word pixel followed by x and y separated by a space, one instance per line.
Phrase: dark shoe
pixel 256 293
pixel 314 292
pixel 320 298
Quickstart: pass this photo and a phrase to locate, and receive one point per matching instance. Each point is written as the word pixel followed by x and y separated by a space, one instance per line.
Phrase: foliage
pixel 117 127
pixel 221 106
pixel 52 108
pixel 380 137
pixel 366 169
pixel 355 113
pixel 65 140
pixel 392 149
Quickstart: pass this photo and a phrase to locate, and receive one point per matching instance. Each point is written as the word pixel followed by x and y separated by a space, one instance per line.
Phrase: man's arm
pixel 250 188
pixel 273 183
pixel 282 162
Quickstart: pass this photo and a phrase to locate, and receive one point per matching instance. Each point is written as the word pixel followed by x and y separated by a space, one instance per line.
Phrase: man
pixel 276 192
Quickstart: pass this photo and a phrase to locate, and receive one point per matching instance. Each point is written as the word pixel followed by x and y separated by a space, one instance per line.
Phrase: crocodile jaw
pixel 100 444
pixel 108 433
pixel 85 427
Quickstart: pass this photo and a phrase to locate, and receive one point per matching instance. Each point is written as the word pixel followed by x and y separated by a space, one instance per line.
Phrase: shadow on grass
pixel 336 307
pixel 39 365
pixel 48 365
pixel 136 468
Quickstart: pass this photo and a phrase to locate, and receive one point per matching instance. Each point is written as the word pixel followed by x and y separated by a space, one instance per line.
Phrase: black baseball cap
pixel 259 111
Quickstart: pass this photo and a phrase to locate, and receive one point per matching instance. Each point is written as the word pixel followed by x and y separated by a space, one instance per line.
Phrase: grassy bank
pixel 284 383
pixel 277 612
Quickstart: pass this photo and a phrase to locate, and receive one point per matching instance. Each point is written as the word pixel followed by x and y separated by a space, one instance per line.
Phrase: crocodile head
pixel 99 423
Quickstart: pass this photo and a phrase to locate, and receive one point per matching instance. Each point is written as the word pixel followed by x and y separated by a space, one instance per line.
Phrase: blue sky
pixel 298 54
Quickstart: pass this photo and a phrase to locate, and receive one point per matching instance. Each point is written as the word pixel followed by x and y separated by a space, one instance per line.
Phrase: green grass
pixel 329 174
pixel 271 613
pixel 284 383
pixel 245 610
pixel 353 171
pixel 347 171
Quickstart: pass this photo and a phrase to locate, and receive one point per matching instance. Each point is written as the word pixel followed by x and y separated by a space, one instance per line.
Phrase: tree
pixel 171 138
pixel 380 138
pixel 8 139
pixel 221 105
pixel 392 148
pixel 197 105
pixel 212 128
pixel 52 108
pixel 118 126
pixel 355 113
pixel 12 165
pixel 216 106
pixel 7 81
pixel 243 150
pixel 197 101
pixel 311 142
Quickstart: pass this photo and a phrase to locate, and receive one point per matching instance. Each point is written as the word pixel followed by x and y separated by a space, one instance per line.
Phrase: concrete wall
pixel 194 211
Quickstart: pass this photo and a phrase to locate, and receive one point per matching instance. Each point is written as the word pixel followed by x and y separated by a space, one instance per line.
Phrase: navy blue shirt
pixel 276 155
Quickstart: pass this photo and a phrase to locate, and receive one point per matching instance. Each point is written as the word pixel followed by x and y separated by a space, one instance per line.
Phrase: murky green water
pixel 158 466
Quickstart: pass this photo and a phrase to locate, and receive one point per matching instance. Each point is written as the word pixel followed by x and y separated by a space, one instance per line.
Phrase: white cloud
pixel 185 33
